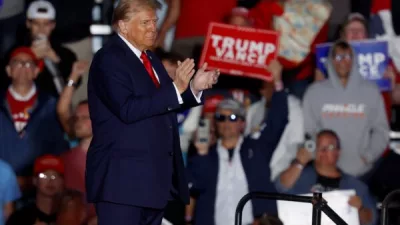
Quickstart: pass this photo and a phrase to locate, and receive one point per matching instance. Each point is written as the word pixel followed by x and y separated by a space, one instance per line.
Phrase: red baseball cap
pixel 28 51
pixel 25 50
pixel 48 162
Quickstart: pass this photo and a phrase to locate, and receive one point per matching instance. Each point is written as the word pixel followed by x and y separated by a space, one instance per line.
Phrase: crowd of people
pixel 248 135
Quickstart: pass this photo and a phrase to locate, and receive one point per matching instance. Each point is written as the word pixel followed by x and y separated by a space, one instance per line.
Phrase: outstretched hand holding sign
pixel 275 68
pixel 240 51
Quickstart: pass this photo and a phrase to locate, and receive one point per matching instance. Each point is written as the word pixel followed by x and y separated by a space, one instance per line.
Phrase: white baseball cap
pixel 41 10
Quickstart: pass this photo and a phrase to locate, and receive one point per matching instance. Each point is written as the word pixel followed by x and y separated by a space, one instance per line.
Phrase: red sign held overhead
pixel 240 51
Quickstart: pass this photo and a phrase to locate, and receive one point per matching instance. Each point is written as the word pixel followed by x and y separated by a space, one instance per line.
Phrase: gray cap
pixel 236 107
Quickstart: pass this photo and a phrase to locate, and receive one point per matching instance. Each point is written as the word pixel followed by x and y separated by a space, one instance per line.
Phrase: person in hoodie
pixel 352 107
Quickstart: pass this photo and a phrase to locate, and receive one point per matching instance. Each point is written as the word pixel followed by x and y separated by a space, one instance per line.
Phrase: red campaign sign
pixel 240 51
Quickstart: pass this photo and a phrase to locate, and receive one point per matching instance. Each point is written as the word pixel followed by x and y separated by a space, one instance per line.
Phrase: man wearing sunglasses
pixel 221 174
pixel 324 175
pixel 351 106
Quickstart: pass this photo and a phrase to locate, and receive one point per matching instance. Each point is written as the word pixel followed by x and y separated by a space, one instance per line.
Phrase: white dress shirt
pixel 232 185
pixel 138 53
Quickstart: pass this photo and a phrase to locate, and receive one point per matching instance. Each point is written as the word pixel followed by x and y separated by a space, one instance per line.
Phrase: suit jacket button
pixel 170 127
pixel 169 108
pixel 171 153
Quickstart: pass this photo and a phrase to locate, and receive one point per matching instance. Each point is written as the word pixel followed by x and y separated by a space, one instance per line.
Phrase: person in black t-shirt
pixel 323 175
pixel 49 182
pixel 72 209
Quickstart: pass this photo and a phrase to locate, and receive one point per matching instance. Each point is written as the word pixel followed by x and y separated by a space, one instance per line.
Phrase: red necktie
pixel 149 68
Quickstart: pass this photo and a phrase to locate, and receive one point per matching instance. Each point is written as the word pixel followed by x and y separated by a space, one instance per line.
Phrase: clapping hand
pixel 184 74
pixel 204 79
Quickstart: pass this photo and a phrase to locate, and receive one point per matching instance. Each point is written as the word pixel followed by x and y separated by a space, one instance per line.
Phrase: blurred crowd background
pixel 246 137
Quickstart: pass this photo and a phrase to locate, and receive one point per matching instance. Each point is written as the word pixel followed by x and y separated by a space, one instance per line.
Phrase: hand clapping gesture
pixel 184 74
pixel 204 79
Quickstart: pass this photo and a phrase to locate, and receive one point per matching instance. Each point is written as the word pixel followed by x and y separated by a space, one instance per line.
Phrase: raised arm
pixel 275 123
pixel 64 111
pixel 288 178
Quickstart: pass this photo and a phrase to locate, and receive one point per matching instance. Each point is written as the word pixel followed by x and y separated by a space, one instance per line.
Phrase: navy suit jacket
pixel 255 154
pixel 134 157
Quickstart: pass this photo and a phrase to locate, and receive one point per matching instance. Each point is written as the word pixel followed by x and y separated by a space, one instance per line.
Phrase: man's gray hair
pixel 236 107
pixel 125 8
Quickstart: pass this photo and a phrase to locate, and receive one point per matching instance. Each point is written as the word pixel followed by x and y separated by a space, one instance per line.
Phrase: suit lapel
pixel 140 73
pixel 135 65
pixel 159 68
pixel 139 69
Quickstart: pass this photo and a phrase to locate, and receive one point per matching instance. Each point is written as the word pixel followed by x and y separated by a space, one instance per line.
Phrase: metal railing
pixel 386 206
pixel 318 203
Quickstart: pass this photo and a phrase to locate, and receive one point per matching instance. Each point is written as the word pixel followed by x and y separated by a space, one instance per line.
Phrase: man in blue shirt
pixel 9 191
pixel 323 175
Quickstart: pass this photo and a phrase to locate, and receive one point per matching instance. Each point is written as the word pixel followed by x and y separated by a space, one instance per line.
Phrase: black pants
pixel 175 212
pixel 117 214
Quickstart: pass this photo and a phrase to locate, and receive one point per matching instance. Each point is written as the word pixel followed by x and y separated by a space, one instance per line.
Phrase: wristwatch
pixel 298 164
pixel 75 84
pixel 71 83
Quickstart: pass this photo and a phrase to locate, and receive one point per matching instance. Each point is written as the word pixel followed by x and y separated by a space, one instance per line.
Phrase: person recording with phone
pixel 55 61
pixel 221 174
pixel 323 174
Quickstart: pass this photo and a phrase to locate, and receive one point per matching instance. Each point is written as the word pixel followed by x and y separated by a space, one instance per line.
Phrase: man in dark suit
pixel 134 163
